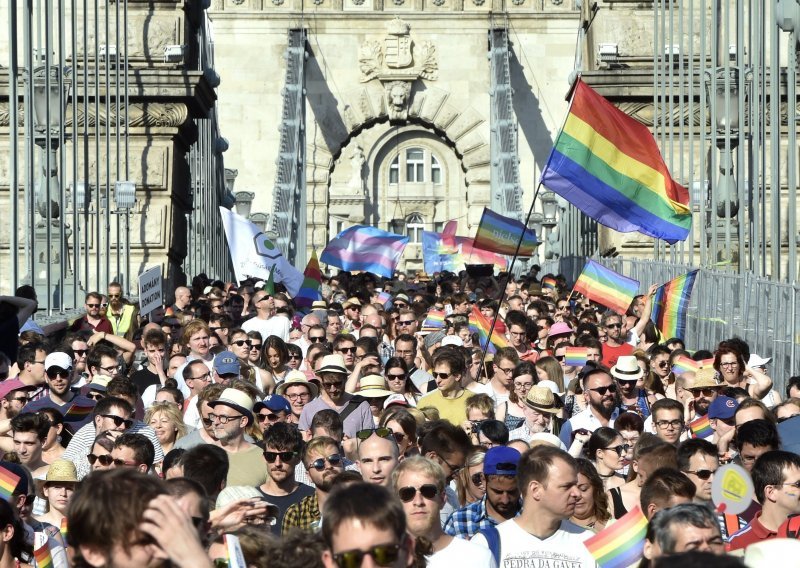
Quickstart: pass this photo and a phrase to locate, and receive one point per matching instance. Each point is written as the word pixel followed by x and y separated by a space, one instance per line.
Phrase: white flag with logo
pixel 254 255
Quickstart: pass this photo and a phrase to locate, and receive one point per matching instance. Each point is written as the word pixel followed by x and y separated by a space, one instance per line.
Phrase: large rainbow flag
pixel 671 304
pixel 621 544
pixel 608 165
pixel 501 234
pixel 312 282
pixel 606 287
pixel 478 323
pixel 365 248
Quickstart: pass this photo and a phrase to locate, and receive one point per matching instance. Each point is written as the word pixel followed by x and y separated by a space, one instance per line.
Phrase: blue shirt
pixel 73 423
pixel 467 521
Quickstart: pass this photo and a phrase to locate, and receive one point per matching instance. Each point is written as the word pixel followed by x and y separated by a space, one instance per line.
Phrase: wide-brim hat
pixel 332 364
pixel 705 378
pixel 236 399
pixel 352 302
pixel 62 471
pixel 373 386
pixel 293 378
pixel 542 399
pixel 627 369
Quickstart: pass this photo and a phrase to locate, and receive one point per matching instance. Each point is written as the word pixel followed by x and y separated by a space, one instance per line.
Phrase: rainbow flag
pixel 575 356
pixel 78 412
pixel 478 323
pixel 8 483
pixel 549 283
pixel 684 364
pixel 621 544
pixel 608 165
pixel 365 248
pixel 606 287
pixel 434 320
pixel 312 282
pixel 63 529
pixel 446 252
pixel 701 427
pixel 42 553
pixel 706 363
pixel 501 234
pixel 671 304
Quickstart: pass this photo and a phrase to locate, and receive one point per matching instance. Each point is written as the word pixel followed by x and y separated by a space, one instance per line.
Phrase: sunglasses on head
pixel 285 456
pixel 382 555
pixel 428 491
pixel 380 432
pixel 319 464
pixel 603 390
pixel 105 460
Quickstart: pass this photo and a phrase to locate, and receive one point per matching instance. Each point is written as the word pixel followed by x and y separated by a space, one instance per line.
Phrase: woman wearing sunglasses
pixel 404 429
pixel 470 486
pixel 606 449
pixel 396 373
pixel 100 455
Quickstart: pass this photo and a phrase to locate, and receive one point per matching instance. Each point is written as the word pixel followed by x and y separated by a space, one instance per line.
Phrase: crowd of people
pixel 231 427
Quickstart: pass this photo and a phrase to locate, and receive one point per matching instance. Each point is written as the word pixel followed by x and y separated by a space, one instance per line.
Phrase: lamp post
pixel 550 208
pixel 124 200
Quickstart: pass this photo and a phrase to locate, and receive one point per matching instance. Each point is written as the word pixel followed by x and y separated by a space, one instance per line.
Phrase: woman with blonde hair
pixel 470 484
pixel 166 420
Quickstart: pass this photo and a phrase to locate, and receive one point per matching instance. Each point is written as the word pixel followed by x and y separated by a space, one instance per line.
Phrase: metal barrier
pixel 762 312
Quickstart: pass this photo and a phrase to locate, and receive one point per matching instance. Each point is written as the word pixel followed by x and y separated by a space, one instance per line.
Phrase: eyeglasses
pixel 58 373
pixel 560 358
pixel 454 469
pixel 271 417
pixel 620 449
pixel 105 460
pixel 523 385
pixel 223 419
pixel 380 432
pixel 507 370
pixel 613 326
pixel 319 464
pixel 316 338
pixel 298 395
pixel 110 369
pixel 428 491
pixel 729 364
pixel 206 377
pixel 242 342
pixel 603 390
pixel 703 474
pixel 405 322
pixel 395 377
pixel 92 305
pixel 285 456
pixel 383 555
pixel 441 375
pixel 296 357
pixel 119 420
pixel 256 346
pixel 346 349
pixel 669 423
pixel 125 463
pixel 95 396
pixel 477 479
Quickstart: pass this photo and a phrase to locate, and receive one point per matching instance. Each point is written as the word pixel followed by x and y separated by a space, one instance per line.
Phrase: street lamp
pixel 535 223
pixel 549 206
pixel 726 101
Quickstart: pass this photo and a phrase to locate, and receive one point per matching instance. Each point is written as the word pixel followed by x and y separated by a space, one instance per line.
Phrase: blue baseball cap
pixel 501 460
pixel 273 402
pixel 723 407
pixel 226 363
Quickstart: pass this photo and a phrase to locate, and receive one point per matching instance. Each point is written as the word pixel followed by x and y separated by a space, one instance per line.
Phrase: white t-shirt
pixel 563 549
pixel 463 554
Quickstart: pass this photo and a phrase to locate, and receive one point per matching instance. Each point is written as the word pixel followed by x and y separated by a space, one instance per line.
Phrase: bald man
pixel 183 297
pixel 303 342
pixel 265 321
pixel 377 457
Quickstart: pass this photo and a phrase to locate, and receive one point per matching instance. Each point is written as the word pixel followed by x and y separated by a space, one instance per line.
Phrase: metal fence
pixel 762 312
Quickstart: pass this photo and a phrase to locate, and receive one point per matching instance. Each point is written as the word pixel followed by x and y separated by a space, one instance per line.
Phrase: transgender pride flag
pixel 365 248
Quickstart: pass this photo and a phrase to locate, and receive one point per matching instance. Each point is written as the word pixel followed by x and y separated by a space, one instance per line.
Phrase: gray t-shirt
pixel 359 419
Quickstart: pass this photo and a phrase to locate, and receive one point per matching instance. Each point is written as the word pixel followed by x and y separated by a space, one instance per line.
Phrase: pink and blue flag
pixel 366 249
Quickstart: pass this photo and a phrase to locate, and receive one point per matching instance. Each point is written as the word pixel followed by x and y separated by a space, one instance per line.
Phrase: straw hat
pixel 236 399
pixel 542 399
pixel 705 378
pixel 296 378
pixel 319 305
pixel 62 471
pixel 332 364
pixel 234 493
pixel 627 369
pixel 373 386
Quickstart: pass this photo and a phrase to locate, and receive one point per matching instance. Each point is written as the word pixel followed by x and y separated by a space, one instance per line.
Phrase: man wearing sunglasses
pixel 266 321
pixel 600 392
pixel 345 344
pixel 419 483
pixel 92 321
pixel 74 407
pixel 283 447
pixel 133 450
pixel 272 410
pixel 615 345
pixel 323 460
pixel 704 390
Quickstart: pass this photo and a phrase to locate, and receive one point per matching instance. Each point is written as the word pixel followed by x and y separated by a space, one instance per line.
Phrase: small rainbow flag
pixel 575 356
pixel 63 529
pixel 684 364
pixel 8 483
pixel 480 325
pixel 78 412
pixel 606 287
pixel 501 234
pixel 671 304
pixel 434 320
pixel 42 554
pixel 701 428
pixel 549 283
pixel 621 544
pixel 706 363
pixel 312 282
pixel 384 297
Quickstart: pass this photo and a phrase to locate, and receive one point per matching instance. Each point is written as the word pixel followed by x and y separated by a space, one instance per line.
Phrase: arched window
pixel 415 224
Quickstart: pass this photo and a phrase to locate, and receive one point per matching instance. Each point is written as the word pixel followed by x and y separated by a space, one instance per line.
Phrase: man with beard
pixel 204 434
pixel 13 397
pixel 283 445
pixel 323 460
pixel 419 482
pixel 231 414
pixel 615 345
pixel 600 392
pixel 93 321
pixel 499 503
pixel 547 478
pixel 378 455
pixel 627 373
pixel 121 314
pixel 75 408
pixel 704 391
pixel 76 345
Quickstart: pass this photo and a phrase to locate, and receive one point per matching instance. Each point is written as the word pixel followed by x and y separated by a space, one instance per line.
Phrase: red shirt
pixel 754 532
pixel 82 324
pixel 611 354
